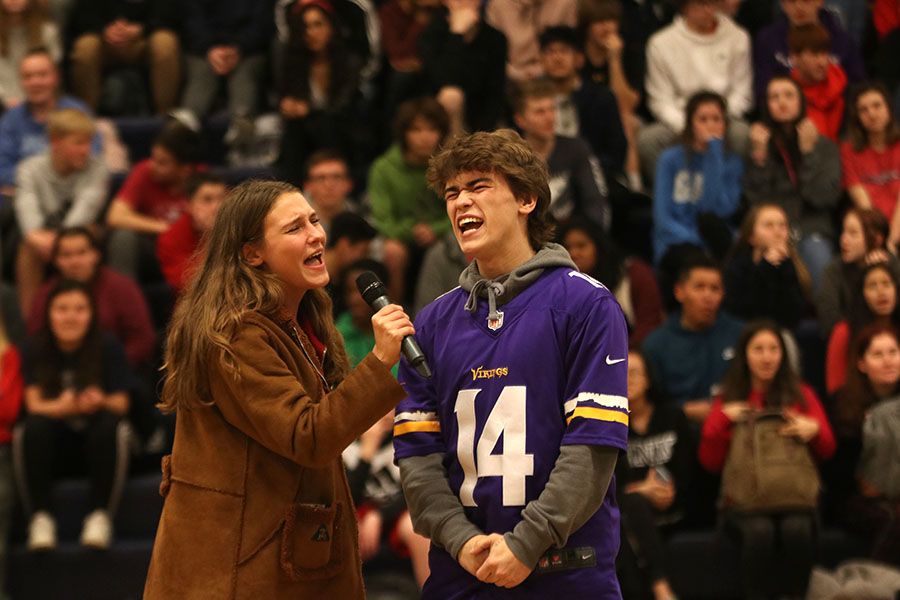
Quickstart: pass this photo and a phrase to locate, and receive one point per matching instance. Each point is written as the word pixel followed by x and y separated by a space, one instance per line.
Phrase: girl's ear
pixel 252 255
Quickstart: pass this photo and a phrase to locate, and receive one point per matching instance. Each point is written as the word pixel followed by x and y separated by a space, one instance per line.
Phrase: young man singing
pixel 507 454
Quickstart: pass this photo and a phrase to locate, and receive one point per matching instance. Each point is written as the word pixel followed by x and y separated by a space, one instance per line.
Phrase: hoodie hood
pixel 501 290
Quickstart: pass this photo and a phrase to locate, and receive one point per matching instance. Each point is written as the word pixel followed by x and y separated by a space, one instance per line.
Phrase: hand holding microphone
pixel 393 329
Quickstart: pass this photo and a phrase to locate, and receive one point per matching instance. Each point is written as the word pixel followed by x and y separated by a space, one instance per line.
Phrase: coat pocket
pixel 312 541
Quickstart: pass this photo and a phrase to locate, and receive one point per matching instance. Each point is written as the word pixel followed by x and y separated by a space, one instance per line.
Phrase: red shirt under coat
pixel 717 430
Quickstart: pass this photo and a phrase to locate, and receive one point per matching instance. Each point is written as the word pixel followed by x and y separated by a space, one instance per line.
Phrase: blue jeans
pixel 815 251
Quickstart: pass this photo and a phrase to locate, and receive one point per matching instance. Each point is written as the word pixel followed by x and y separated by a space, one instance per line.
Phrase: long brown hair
pixel 224 289
pixel 688 138
pixel 783 144
pixel 857 394
pixel 49 359
pixel 33 19
pixel 856 133
pixel 742 244
pixel 861 314
pixel 785 388
pixel 874 224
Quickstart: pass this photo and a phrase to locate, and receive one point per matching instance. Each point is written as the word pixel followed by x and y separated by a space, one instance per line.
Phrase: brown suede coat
pixel 257 503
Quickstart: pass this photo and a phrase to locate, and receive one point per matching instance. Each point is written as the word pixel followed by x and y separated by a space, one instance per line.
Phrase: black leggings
pixel 642 538
pixel 51 447
pixel 777 552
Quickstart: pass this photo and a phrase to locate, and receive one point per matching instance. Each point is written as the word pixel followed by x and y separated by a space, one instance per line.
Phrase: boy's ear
pixel 527 205
pixel 517 118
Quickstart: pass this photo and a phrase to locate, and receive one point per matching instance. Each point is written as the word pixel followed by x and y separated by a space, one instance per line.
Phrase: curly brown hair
pixel 502 152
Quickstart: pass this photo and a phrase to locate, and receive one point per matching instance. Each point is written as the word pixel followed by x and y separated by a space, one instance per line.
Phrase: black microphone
pixel 375 295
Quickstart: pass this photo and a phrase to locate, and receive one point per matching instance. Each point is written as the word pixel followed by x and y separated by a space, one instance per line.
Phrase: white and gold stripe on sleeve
pixel 414 422
pixel 602 407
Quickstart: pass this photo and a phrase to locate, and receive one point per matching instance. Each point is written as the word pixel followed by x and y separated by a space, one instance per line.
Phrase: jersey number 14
pixel 507 417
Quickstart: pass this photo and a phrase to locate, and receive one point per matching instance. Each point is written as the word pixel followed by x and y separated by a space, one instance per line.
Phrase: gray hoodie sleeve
pixel 575 490
pixel 435 510
pixel 547 521
pixel 27 203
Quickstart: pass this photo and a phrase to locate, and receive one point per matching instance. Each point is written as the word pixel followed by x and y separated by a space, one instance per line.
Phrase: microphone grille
pixel 370 286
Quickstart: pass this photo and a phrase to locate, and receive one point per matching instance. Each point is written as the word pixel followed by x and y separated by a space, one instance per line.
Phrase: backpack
pixel 766 472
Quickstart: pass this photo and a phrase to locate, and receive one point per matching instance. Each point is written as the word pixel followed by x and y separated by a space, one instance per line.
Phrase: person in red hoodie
pixel 777 550
pixel 823 81
pixel 176 246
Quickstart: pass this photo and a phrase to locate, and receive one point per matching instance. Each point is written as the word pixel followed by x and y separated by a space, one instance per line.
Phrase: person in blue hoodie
pixel 695 177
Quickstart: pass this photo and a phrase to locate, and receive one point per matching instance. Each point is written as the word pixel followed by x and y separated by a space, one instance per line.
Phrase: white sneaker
pixel 97 530
pixel 42 531
pixel 240 133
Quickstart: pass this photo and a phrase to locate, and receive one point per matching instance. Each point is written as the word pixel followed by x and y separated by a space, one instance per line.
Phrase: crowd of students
pixel 730 169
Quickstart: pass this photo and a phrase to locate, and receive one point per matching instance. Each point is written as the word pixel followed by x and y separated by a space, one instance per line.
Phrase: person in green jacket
pixel 355 323
pixel 406 212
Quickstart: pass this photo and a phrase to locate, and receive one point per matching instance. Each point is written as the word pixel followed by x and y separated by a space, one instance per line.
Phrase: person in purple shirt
pixel 22 128
pixel 770 49
pixel 530 351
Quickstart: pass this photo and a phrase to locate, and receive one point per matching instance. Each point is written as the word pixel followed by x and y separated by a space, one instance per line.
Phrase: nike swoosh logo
pixel 609 361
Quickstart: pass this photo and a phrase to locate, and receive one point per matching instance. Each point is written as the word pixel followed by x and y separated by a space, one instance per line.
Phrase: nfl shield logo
pixel 495 324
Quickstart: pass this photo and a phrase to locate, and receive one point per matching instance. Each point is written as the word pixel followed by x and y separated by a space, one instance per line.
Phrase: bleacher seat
pixel 73 572
pixel 706 564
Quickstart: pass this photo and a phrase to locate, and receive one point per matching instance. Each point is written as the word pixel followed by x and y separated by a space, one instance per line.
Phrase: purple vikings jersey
pixel 504 397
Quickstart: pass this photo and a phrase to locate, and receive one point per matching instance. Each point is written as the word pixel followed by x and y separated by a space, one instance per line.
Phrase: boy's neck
pixel 328 212
pixel 695 28
pixel 413 159
pixel 808 79
pixel 543 146
pixel 60 165
pixel 503 262
pixel 567 85
pixel 41 112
